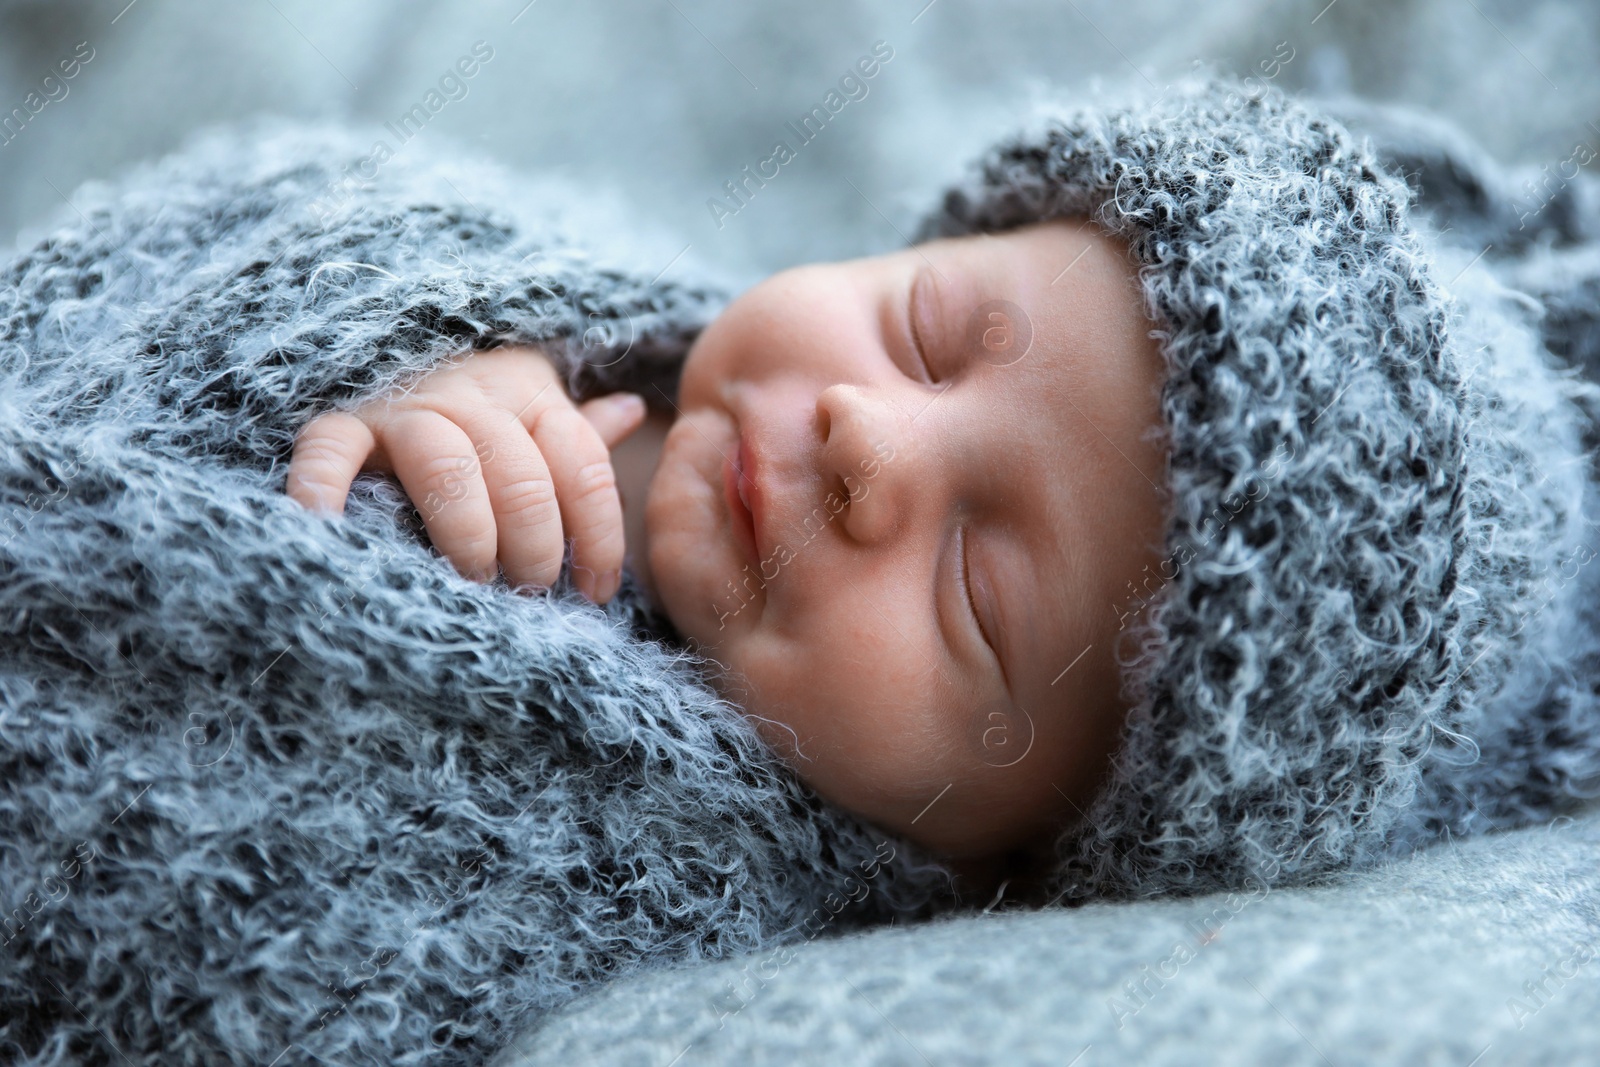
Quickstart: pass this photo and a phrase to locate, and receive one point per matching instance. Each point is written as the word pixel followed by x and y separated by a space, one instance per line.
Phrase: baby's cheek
pixel 686 549
pixel 864 741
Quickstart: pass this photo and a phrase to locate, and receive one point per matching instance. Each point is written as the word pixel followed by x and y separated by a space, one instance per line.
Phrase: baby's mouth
pixel 738 491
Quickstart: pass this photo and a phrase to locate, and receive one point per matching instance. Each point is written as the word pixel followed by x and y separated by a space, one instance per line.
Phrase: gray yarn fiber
pixel 283 788
pixel 277 785
pixel 1374 623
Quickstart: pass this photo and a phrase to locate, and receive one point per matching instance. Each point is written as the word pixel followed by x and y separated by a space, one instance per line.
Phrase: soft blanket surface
pixel 277 788
pixel 282 789
pixel 1487 948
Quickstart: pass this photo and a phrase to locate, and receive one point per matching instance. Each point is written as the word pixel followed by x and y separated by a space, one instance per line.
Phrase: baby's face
pixel 978 413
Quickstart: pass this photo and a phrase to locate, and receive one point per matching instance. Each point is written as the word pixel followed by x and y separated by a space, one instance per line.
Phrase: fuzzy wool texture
pixel 1485 949
pixel 1375 622
pixel 283 788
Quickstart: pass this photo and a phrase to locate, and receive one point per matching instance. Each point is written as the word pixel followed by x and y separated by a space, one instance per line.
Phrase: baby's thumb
pixel 615 416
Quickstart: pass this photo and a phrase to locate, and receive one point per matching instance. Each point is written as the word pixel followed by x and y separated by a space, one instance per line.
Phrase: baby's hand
pixel 498 461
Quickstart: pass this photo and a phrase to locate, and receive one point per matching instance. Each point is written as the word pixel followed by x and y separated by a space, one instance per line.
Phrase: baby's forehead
pixel 1026 296
pixel 1067 261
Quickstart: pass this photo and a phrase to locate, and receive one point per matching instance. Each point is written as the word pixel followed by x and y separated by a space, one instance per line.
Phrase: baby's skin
pixel 900 502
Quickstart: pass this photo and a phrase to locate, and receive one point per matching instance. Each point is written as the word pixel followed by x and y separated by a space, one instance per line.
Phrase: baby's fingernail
pixel 628 403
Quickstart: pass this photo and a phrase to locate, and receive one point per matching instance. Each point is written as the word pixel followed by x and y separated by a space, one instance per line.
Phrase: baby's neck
pixel 634 461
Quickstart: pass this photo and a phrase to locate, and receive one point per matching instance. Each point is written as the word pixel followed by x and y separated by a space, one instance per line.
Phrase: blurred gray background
pixel 665 100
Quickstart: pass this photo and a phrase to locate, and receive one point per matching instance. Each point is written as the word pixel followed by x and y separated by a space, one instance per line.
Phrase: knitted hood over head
pixel 282 788
pixel 1370 624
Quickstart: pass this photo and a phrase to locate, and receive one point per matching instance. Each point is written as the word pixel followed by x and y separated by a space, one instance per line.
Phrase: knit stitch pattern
pixel 282 788
pixel 278 787
pixel 1372 624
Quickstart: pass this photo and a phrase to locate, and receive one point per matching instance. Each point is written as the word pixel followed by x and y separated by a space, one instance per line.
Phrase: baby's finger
pixel 591 508
pixel 528 518
pixel 436 463
pixel 329 452
pixel 615 416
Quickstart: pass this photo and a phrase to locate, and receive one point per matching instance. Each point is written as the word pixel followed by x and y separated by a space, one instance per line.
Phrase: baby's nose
pixel 863 434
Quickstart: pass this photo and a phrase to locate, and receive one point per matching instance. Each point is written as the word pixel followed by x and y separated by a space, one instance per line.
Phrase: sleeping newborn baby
pixel 900 503
pixel 1193 507
pixel 1161 521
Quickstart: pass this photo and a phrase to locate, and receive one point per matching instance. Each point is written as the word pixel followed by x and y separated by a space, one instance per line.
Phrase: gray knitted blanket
pixel 280 788
pixel 277 788
pixel 1481 952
